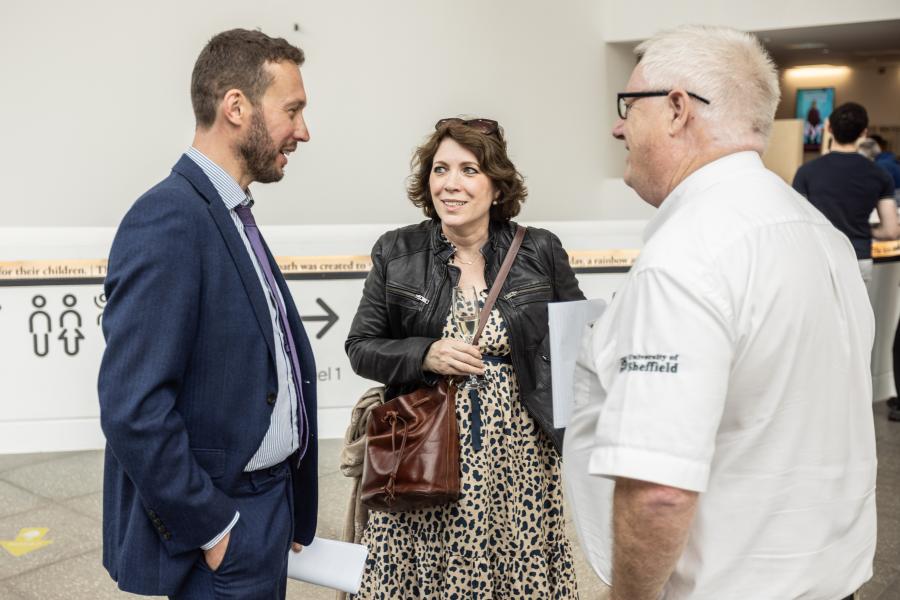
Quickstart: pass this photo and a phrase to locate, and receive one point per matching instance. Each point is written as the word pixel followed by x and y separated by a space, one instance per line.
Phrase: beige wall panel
pixel 878 91
pixel 784 154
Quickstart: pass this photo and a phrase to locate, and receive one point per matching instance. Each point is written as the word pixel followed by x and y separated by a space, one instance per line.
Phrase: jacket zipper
pixel 404 292
pixel 526 289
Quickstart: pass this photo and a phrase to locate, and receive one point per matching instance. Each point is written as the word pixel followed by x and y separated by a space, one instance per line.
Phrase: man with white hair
pixel 728 421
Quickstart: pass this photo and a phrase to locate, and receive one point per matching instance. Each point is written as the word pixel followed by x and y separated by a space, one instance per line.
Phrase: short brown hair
pixel 236 59
pixel 489 149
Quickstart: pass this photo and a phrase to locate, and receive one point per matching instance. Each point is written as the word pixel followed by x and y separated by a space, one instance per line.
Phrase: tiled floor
pixel 62 492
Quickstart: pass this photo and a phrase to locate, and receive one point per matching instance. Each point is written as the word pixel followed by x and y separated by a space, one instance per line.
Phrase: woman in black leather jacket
pixel 505 536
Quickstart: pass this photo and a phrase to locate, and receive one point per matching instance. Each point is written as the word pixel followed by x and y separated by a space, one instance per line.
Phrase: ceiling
pixel 851 43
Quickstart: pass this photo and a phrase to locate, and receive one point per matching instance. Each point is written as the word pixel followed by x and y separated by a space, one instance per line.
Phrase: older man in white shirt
pixel 730 395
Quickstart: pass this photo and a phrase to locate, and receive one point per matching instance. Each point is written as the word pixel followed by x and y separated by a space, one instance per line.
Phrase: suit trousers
pixel 255 563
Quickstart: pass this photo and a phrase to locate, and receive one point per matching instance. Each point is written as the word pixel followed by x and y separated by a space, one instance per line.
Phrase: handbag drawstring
pixel 392 417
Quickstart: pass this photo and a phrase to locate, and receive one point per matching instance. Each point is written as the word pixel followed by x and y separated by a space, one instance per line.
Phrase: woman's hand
pixel 448 356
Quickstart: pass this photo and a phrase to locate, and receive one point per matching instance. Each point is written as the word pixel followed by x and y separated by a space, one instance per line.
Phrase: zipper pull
pixel 421 298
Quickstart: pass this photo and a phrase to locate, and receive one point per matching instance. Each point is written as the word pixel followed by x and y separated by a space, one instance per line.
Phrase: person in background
pixel 207 386
pixel 868 148
pixel 846 187
pixel 893 403
pixel 727 431
pixel 505 536
pixel 887 160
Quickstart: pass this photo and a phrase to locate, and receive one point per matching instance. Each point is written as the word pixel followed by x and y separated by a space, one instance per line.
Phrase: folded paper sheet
pixel 590 496
pixel 329 563
pixel 568 325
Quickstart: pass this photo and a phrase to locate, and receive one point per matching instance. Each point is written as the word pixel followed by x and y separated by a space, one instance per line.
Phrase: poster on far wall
pixel 813 106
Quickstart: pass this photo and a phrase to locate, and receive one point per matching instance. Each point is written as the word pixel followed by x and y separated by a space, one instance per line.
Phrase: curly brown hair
pixel 489 149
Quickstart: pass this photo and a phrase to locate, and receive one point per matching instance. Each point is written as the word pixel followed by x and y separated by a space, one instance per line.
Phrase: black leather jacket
pixel 406 301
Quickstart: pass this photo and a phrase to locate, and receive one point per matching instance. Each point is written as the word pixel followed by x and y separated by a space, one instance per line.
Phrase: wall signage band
pixel 60 272
pixel 81 271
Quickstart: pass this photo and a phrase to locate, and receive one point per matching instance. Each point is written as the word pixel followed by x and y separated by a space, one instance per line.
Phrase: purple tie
pixel 252 231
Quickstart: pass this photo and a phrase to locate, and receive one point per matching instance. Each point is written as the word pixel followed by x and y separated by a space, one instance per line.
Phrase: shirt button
pixel 270 399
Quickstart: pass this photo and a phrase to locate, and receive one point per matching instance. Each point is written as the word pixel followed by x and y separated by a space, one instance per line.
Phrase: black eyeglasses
pixel 485 126
pixel 623 106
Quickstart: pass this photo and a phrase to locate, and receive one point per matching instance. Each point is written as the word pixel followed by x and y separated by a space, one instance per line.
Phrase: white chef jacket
pixel 734 362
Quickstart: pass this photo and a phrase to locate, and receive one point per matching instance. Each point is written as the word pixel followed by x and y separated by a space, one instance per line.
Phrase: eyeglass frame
pixel 485 126
pixel 622 107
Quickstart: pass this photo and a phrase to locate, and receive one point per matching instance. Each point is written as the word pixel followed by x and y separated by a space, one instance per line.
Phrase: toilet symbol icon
pixel 39 326
pixel 100 302
pixel 70 323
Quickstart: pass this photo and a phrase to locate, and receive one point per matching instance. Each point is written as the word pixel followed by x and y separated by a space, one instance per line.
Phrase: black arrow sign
pixel 330 317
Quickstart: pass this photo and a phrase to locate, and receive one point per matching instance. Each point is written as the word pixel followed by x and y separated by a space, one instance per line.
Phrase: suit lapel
pixel 189 169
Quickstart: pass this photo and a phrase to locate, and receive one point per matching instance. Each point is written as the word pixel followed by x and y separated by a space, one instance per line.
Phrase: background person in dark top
pixel 887 160
pixel 845 186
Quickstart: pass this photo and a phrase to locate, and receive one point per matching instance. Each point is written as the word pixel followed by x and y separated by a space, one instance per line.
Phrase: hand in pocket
pixel 214 555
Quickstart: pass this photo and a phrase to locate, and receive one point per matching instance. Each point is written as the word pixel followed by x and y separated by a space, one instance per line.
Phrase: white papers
pixel 589 496
pixel 568 325
pixel 329 563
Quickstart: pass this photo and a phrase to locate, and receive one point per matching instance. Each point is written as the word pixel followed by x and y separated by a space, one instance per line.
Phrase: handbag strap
pixel 498 283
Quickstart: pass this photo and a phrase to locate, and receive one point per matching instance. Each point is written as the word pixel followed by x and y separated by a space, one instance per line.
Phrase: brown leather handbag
pixel 412 441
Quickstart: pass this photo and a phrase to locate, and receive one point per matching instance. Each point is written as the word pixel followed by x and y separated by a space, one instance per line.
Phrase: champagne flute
pixel 466 310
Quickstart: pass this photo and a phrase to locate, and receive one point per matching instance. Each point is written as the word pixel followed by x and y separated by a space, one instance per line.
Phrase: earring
pixel 494 203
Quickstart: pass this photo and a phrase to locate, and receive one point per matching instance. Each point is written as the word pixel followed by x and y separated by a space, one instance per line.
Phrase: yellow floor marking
pixel 28 540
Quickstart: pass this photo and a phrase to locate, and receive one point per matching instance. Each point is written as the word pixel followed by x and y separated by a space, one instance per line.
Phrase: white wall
pixel 98 109
pixel 48 388
pixel 97 106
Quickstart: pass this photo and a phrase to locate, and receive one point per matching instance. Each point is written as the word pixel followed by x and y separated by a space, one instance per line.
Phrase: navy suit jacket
pixel 187 383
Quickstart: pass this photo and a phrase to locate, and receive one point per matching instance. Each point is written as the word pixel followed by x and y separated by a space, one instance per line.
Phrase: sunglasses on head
pixel 485 126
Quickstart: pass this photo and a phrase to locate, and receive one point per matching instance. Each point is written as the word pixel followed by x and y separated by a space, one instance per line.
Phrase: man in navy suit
pixel 207 387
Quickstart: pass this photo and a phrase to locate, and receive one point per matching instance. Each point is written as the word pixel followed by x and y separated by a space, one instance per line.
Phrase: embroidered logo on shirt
pixel 652 363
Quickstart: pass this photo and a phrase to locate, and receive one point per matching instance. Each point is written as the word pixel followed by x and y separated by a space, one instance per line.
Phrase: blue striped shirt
pixel 282 438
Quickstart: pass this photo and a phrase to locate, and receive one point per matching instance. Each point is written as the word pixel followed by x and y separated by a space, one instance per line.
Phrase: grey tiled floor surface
pixel 63 493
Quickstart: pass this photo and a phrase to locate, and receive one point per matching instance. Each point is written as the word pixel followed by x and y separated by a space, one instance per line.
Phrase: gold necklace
pixel 456 258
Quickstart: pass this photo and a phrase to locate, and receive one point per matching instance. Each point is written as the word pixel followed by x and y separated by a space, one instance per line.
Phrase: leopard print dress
pixel 505 536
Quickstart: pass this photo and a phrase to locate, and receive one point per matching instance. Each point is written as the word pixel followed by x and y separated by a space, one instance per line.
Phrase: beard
pixel 259 152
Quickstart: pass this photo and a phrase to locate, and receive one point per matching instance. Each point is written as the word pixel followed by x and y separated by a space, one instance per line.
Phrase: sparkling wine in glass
pixel 466 311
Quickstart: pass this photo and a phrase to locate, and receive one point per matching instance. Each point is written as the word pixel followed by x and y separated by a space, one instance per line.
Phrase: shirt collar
pixel 698 181
pixel 229 190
